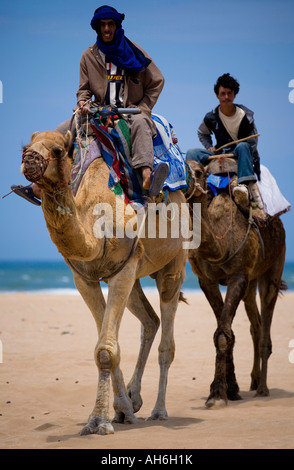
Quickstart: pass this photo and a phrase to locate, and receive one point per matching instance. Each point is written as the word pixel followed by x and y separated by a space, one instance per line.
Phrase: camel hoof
pixel 263 392
pixel 105 428
pixel 161 415
pixel 215 403
pixel 234 397
pixel 131 419
pixel 118 417
pixel 253 385
pixel 85 431
pixel 121 417
pixel 94 426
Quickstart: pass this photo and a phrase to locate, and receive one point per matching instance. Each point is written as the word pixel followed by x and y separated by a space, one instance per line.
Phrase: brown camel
pixel 237 253
pixel 120 260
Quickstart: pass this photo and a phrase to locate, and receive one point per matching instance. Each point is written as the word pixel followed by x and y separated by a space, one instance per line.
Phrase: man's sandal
pixel 27 193
pixel 158 177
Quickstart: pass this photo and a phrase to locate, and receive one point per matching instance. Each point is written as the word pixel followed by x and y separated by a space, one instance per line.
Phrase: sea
pixel 55 277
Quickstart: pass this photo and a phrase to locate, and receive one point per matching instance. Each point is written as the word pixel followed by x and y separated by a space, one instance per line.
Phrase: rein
pixel 60 187
pixel 105 278
pixel 251 223
pixel 191 183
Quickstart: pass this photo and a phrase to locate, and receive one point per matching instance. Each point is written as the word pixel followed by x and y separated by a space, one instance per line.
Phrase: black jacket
pixel 212 124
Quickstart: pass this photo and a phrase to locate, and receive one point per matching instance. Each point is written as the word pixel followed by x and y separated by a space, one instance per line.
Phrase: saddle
pixel 223 164
pixel 222 171
pixel 113 143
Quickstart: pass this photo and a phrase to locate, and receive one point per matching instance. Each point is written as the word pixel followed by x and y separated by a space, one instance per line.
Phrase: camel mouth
pixel 33 165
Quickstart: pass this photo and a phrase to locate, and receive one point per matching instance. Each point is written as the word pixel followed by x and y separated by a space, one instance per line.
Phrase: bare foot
pixel 146 174
pixel 37 191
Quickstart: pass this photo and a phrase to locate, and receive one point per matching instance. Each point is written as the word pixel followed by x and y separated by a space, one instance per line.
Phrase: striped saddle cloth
pixel 114 145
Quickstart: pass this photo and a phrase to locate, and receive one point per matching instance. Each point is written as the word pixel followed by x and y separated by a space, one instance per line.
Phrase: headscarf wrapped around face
pixel 122 52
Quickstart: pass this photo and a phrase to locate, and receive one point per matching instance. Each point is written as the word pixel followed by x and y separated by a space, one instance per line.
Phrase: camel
pixel 237 253
pixel 121 261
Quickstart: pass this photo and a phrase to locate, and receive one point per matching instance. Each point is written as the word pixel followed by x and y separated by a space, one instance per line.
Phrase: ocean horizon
pixel 55 277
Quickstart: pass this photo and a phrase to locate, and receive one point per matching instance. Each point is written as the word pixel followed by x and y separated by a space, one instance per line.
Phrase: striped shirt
pixel 115 89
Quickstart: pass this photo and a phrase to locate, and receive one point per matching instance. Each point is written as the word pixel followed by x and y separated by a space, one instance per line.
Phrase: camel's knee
pixel 265 348
pixel 222 343
pixel 223 340
pixel 170 288
pixel 104 360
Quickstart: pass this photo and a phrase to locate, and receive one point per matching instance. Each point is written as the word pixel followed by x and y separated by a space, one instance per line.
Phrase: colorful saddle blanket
pixel 114 145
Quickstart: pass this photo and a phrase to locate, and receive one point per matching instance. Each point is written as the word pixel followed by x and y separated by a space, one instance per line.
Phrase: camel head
pixel 45 156
pixel 198 185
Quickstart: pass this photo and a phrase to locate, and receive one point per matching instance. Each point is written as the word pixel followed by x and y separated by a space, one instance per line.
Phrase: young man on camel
pixel 229 122
pixel 117 72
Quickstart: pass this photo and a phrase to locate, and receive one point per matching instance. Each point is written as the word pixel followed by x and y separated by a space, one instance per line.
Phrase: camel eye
pixel 58 151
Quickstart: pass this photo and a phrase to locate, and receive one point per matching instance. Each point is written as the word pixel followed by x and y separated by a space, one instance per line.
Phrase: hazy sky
pixel 192 42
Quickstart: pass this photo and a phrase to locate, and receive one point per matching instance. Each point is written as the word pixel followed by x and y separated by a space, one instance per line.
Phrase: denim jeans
pixel 242 151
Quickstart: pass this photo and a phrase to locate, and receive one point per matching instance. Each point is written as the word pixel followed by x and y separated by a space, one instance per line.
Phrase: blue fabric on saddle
pixel 217 182
pixel 165 150
pixel 115 146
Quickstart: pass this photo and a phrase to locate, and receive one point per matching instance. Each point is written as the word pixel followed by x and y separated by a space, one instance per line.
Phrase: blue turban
pixel 104 13
pixel 122 52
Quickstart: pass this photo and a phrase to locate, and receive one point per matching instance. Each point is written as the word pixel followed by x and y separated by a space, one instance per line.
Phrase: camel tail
pixel 283 286
pixel 183 299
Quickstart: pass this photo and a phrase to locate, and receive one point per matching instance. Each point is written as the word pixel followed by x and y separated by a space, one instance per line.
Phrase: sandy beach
pixel 48 379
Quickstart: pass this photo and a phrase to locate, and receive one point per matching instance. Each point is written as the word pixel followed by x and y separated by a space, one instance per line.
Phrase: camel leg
pixel 107 355
pixel 255 328
pixel 225 385
pixel 93 297
pixel 141 308
pixel 169 281
pixel 269 286
pixel 214 297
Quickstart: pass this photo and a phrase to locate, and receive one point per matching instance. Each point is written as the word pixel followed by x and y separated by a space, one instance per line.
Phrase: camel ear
pixel 67 140
pixel 34 135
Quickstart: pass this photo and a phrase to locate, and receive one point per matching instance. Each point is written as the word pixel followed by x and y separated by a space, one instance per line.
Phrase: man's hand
pixel 82 109
pixel 212 149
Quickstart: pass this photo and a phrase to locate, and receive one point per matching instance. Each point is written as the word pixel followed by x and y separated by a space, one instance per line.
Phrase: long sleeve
pixel 145 87
pixel 253 142
pixel 84 93
pixel 154 83
pixel 204 135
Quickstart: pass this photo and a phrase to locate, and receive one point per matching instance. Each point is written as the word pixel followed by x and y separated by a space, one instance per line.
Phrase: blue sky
pixel 192 42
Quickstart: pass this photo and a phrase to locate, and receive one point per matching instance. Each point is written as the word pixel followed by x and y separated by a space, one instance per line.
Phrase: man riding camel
pixel 230 122
pixel 118 73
